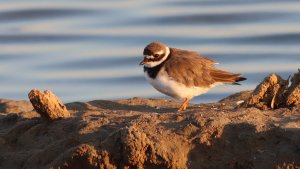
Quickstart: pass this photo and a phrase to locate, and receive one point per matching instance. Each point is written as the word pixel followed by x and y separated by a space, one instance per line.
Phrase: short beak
pixel 142 62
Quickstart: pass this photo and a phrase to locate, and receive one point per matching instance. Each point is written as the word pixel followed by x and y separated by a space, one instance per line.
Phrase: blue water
pixel 86 50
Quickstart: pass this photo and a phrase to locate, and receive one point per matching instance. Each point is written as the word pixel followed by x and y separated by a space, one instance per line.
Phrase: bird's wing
pixel 189 68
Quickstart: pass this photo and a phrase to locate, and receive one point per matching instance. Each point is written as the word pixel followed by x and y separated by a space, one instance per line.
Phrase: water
pixel 86 50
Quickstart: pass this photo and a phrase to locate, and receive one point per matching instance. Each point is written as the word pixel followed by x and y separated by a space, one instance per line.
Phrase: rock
pixel 293 93
pixel 48 105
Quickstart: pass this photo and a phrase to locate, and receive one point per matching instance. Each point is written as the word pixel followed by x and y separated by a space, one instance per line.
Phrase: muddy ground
pixel 150 133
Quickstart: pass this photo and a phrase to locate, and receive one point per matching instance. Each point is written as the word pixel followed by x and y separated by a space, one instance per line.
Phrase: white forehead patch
pixel 149 57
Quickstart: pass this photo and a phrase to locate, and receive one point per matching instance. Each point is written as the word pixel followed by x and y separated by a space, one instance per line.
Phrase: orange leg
pixel 184 104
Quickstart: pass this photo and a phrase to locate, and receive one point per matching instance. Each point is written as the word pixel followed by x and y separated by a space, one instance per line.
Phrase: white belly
pixel 166 85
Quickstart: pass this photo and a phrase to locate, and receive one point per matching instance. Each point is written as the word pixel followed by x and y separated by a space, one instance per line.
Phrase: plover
pixel 182 74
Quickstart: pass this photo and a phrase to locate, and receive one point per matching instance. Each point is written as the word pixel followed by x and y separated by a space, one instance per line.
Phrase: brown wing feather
pixel 189 68
pixel 193 70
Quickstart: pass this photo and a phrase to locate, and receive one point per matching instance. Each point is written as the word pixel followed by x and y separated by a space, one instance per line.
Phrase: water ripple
pixel 97 80
pixel 15 57
pixel 30 14
pixel 216 18
pixel 283 38
pixel 92 63
pixel 38 38
pixel 247 57
pixel 222 2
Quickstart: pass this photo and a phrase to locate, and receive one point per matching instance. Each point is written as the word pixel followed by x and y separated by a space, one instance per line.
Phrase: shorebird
pixel 181 73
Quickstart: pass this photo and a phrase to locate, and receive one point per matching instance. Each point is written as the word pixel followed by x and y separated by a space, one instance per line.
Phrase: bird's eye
pixel 156 55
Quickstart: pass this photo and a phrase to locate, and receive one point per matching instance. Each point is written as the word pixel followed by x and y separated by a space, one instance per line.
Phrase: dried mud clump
pixel 268 93
pixel 48 105
pixel 274 92
pixel 293 93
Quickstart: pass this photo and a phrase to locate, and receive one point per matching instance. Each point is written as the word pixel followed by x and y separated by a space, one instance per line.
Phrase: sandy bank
pixel 149 133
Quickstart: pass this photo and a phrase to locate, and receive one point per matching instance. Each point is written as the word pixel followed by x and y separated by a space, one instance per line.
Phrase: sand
pixel 150 133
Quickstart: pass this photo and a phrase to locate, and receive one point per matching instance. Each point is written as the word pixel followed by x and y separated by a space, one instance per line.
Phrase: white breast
pixel 170 87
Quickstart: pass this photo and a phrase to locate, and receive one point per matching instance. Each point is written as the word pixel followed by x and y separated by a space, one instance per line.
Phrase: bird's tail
pixel 226 77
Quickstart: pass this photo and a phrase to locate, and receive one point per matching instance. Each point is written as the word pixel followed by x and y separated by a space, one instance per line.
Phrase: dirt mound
pixel 14 106
pixel 149 133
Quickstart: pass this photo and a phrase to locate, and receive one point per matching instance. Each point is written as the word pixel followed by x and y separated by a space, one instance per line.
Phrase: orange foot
pixel 184 104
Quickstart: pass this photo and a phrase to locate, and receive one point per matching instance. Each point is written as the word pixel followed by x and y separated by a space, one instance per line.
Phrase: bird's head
pixel 154 54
